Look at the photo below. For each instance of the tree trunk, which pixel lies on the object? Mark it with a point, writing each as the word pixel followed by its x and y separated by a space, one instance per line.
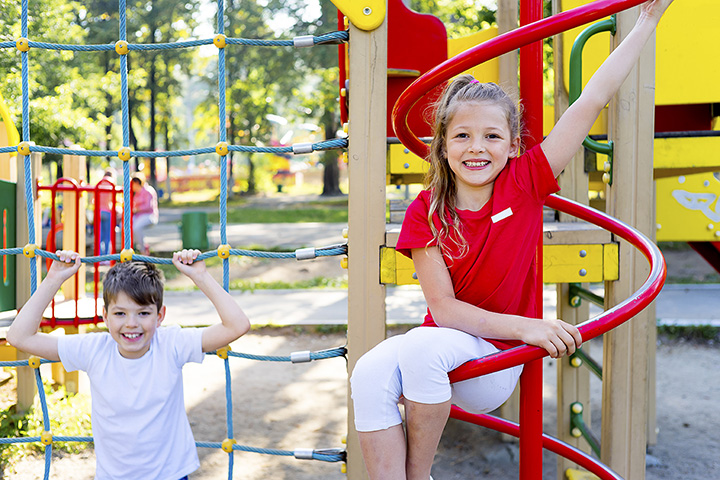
pixel 251 189
pixel 331 171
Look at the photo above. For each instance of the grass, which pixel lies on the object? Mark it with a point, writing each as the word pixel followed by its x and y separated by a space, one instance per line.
pixel 317 282
pixel 285 215
pixel 69 416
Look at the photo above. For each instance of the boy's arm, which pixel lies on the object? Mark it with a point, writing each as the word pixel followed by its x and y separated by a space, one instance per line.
pixel 572 128
pixel 23 333
pixel 234 322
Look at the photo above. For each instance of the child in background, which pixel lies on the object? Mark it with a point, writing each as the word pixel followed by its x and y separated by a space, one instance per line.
pixel 144 209
pixel 140 427
pixel 472 235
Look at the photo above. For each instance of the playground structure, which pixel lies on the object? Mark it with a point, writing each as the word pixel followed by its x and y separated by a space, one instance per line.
pixel 367 205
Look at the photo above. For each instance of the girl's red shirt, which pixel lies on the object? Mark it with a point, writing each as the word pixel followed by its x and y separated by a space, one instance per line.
pixel 498 271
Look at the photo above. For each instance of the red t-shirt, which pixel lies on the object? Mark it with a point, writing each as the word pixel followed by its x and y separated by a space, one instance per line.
pixel 498 271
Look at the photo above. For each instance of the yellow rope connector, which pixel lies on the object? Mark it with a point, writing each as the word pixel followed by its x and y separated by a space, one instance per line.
pixel 121 47
pixel 23 148
pixel 344 263
pixel 223 251
pixel 219 40
pixel 227 445
pixel 34 362
pixel 346 127
pixel 124 153
pixel 29 250
pixel 22 44
pixel 126 255
pixel 343 468
pixel 223 352
pixel 606 177
pixel 46 438
pixel 221 149
pixel 344 157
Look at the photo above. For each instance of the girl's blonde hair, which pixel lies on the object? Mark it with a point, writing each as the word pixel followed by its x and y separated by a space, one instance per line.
pixel 440 179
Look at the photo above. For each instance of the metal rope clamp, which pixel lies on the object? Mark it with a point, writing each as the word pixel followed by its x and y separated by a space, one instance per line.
pixel 300 357
pixel 304 41
pixel 302 148
pixel 305 253
pixel 303 453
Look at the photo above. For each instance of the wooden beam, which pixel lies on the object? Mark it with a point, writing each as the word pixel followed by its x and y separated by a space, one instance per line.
pixel 626 393
pixel 366 205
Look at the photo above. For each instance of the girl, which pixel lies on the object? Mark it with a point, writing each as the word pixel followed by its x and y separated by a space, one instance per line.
pixel 472 236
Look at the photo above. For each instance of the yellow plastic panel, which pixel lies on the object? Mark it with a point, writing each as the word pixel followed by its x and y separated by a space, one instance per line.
pixel 8 353
pixel 611 261
pixel 598 128
pixel 486 72
pixel 9 136
pixel 561 264
pixel 690 152
pixel 685 70
pixel 401 160
pixel 565 263
pixel 686 54
pixel 364 14
pixel 573 474
pixel 687 208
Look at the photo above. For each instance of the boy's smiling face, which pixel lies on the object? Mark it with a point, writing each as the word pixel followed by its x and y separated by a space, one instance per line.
pixel 132 325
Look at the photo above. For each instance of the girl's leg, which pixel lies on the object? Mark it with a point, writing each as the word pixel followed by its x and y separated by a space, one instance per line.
pixel 425 424
pixel 428 354
pixel 384 453
pixel 376 389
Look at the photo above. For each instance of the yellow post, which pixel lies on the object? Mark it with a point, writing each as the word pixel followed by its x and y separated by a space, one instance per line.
pixel 366 225
pixel 26 377
pixel 631 199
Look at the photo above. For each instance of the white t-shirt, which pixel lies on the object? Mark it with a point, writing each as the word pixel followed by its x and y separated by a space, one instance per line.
pixel 140 427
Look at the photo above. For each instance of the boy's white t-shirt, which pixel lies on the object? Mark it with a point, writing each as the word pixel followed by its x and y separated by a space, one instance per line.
pixel 140 427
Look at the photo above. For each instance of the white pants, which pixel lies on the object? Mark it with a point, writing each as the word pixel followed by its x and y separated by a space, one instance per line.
pixel 416 365
pixel 141 222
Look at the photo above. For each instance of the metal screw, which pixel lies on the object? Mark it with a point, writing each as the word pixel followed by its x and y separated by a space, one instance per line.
pixel 367 10
pixel 583 272
pixel 406 165
pixel 583 253
pixel 414 276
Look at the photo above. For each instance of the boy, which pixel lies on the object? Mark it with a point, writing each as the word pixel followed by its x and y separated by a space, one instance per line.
pixel 140 427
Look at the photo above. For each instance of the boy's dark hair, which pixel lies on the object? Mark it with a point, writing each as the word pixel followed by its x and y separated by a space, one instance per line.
pixel 140 281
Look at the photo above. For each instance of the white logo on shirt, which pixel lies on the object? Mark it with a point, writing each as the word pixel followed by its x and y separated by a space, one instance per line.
pixel 501 215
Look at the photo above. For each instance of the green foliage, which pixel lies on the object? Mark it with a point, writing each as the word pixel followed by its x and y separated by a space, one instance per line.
pixel 69 416
pixel 701 333
pixel 461 17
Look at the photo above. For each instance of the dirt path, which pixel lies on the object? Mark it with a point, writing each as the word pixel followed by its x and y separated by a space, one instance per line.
pixel 285 406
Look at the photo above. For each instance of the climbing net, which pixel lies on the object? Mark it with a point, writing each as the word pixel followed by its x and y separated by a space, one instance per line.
pixel 224 251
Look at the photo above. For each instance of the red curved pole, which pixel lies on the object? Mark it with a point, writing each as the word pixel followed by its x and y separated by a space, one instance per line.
pixel 604 322
pixel 493 48
pixel 550 443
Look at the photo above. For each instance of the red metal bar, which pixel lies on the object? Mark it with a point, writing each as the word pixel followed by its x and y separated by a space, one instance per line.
pixel 598 325
pixel 553 444
pixel 531 381
pixel 493 48
pixel 342 56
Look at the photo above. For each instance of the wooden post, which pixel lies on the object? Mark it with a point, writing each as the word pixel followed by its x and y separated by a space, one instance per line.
pixel 366 205
pixel 630 199
pixel 74 167
pixel 26 377
pixel 573 384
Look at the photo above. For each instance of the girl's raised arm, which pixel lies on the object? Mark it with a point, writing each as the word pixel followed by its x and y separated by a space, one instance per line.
pixel 574 125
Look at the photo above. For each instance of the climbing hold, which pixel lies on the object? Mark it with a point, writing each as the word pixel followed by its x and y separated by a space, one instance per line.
pixel 29 250
pixel 219 41
pixel 124 153
pixel 223 251
pixel 221 149
pixel 227 445
pixel 126 255
pixel 223 352
pixel 34 362
pixel 22 44
pixel 121 47
pixel 23 148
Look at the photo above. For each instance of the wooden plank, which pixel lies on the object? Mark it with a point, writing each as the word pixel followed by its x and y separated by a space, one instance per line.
pixel 626 391
pixel 366 205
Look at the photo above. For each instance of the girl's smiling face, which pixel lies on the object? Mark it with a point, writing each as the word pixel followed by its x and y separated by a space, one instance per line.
pixel 479 144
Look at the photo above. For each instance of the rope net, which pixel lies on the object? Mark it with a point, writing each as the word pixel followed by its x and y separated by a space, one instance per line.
pixel 25 148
